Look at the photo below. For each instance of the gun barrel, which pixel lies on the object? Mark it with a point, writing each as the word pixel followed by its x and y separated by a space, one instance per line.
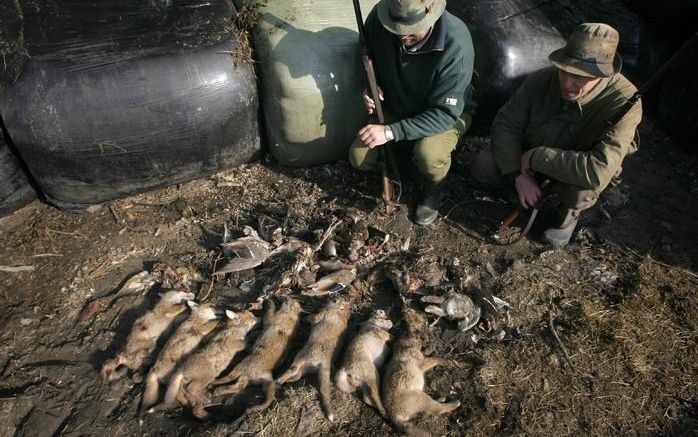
pixel 359 23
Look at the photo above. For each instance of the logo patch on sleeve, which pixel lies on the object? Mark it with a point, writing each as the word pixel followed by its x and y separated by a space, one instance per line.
pixel 451 101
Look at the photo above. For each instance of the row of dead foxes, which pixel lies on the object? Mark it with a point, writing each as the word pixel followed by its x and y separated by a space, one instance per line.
pixel 191 368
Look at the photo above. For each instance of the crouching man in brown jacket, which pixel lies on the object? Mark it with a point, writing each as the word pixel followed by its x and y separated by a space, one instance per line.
pixel 555 127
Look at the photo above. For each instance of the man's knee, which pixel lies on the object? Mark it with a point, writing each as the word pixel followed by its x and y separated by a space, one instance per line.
pixel 432 155
pixel 484 169
pixel 575 197
pixel 363 158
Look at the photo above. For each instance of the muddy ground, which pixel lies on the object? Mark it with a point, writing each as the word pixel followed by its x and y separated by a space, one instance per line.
pixel 621 298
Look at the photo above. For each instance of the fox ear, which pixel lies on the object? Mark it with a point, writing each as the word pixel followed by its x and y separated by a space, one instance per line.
pixel 231 315
pixel 192 304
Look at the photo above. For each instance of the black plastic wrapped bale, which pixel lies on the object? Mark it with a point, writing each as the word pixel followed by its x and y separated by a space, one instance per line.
pixel 512 38
pixel 97 33
pixel 15 190
pixel 678 110
pixel 675 20
pixel 92 132
pixel 124 96
pixel 311 78
pixel 12 49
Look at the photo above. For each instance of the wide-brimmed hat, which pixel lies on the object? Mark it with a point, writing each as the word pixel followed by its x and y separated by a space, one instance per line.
pixel 590 51
pixel 405 17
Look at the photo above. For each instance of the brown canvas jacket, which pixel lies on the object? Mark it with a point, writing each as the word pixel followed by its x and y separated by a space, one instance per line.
pixel 575 143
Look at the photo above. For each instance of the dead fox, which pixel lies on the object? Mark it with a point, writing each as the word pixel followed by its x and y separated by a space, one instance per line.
pixel 144 336
pixel 403 386
pixel 318 353
pixel 189 384
pixel 279 327
pixel 201 321
pixel 364 356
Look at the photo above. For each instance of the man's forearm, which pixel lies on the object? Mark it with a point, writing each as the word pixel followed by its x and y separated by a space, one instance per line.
pixel 572 167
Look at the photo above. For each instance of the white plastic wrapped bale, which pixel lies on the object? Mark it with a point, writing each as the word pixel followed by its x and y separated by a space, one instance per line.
pixel 311 78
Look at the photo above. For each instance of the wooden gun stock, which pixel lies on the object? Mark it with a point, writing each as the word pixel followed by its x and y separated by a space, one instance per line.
pixel 509 219
pixel 386 151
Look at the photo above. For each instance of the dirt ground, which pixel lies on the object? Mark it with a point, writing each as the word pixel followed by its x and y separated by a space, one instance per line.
pixel 621 299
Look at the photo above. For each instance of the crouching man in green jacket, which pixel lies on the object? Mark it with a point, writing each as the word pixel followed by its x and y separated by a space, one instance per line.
pixel 423 57
pixel 555 127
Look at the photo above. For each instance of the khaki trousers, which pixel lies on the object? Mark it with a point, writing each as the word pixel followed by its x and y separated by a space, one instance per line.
pixel 573 199
pixel 431 155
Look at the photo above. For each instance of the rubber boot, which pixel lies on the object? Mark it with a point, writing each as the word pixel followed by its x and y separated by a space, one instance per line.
pixel 428 209
pixel 559 234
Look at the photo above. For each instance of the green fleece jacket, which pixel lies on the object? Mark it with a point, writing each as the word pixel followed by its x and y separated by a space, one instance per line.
pixel 574 143
pixel 427 90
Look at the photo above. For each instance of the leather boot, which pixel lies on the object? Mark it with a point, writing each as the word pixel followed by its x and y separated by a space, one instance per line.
pixel 428 208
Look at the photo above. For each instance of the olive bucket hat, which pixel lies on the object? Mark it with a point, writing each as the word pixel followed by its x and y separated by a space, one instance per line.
pixel 406 17
pixel 590 51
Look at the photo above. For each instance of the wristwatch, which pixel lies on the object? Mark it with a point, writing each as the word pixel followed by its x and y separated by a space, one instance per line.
pixel 389 133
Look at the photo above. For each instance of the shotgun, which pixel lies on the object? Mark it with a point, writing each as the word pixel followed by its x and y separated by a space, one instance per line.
pixel 386 151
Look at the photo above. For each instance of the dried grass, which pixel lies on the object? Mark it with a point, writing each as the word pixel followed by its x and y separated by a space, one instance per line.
pixel 245 20
pixel 622 384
